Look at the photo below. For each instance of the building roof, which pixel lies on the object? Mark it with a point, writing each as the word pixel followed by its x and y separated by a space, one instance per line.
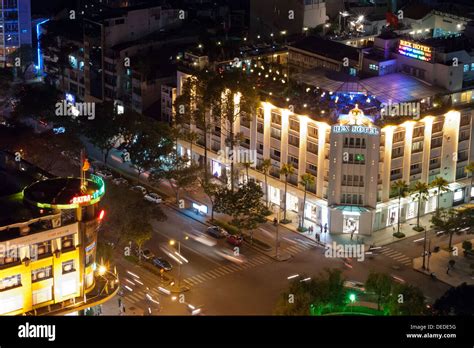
pixel 327 48
pixel 399 87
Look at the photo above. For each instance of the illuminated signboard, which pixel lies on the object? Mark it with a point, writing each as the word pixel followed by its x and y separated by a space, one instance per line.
pixel 81 199
pixel 416 51
pixel 355 130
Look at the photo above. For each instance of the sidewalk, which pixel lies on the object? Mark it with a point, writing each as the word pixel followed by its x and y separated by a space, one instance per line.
pixel 379 238
pixel 438 264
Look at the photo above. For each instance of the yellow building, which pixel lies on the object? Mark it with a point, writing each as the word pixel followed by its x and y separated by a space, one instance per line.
pixel 48 239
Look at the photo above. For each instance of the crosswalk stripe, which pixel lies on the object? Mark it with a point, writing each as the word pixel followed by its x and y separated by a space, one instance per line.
pixel 234 267
pixel 224 270
pixel 400 257
pixel 261 257
pixel 220 272
pixel 200 277
pixel 253 262
pixel 135 297
pixel 211 275
pixel 263 260
pixel 191 281
pixel 389 251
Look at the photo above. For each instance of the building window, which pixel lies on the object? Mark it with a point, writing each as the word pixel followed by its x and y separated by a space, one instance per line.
pixel 397 152
pixel 312 147
pixel 373 67
pixel 276 133
pixel 9 256
pixel 466 68
pixel 67 242
pixel 40 249
pixel 293 140
pixel 312 169
pixel 41 273
pixel 417 147
pixel 293 161
pixel 276 118
pixel 312 131
pixel 10 282
pixel 260 127
pixel 437 127
pixel 294 125
pixel 68 267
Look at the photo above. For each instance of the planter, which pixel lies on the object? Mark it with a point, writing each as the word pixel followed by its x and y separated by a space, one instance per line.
pixel 398 234
pixel 285 221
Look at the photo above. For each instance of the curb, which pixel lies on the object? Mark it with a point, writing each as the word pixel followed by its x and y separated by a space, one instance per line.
pixel 437 279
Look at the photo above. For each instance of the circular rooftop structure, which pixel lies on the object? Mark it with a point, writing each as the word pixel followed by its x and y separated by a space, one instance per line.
pixel 65 193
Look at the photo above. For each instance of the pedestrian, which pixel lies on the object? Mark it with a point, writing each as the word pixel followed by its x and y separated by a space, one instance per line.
pixel 275 221
pixel 318 237
pixel 120 302
pixel 326 227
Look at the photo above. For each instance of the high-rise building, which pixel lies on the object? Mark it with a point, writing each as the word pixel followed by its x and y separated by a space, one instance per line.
pixel 15 27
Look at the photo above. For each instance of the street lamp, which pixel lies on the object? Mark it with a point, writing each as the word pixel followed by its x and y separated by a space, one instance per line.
pixel 172 242
pixel 277 223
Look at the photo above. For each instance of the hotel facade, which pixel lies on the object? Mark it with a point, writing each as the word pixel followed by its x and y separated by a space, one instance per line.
pixel 355 158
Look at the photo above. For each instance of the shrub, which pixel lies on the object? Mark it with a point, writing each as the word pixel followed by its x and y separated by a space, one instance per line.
pixel 226 226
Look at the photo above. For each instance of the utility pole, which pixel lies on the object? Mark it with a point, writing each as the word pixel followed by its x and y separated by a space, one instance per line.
pixel 424 250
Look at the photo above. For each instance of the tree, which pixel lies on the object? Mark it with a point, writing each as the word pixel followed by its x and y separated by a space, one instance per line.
pixel 244 205
pixel 151 145
pixel 179 173
pixel 307 180
pixel 287 169
pixel 247 165
pixel 192 137
pixel 325 292
pixel 469 169
pixel 381 285
pixel 456 301
pixel 452 221
pixel 211 189
pixel 406 299
pixel 37 101
pixel 138 231
pixel 236 99
pixel 104 130
pixel 441 186
pixel 421 195
pixel 265 167
pixel 402 188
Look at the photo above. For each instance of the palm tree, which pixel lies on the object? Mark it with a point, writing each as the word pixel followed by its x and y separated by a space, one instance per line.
pixel 469 169
pixel 247 166
pixel 307 180
pixel 192 137
pixel 441 186
pixel 265 167
pixel 287 169
pixel 402 188
pixel 421 194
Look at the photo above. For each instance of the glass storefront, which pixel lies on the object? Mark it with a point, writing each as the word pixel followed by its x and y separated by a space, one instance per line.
pixel 292 202
pixel 392 217
pixel 411 210
pixel 274 195
pixel 430 204
pixel 216 169
pixel 350 223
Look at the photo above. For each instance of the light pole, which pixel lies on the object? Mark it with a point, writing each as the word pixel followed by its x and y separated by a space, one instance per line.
pixel 173 242
pixel 277 242
pixel 424 249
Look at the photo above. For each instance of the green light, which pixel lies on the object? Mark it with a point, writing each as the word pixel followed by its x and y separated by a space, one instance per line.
pixel 352 297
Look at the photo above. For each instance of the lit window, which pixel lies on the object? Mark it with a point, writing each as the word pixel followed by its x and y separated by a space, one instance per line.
pixel 466 67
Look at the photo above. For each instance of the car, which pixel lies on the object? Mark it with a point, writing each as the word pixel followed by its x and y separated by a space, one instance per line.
pixel 139 189
pixel 235 240
pixel 161 263
pixel 104 174
pixel 231 255
pixel 201 238
pixel 153 197
pixel 355 285
pixel 217 232
pixel 147 254
pixel 120 181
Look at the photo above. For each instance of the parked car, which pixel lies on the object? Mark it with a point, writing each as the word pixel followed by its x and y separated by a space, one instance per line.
pixel 147 254
pixel 106 174
pixel 161 263
pixel 217 232
pixel 120 181
pixel 235 240
pixel 139 189
pixel 153 197
pixel 355 285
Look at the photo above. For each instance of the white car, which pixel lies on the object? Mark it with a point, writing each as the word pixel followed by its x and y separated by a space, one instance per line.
pixel 153 197
pixel 104 174
pixel 230 255
pixel 140 189
pixel 120 181
pixel 351 284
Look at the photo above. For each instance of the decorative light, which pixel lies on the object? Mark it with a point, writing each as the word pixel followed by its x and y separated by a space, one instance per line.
pixel 305 105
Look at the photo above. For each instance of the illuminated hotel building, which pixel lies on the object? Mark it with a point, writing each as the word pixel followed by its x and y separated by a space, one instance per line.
pixel 48 242
pixel 355 158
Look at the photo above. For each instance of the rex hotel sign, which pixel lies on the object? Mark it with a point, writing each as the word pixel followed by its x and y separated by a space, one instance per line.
pixel 416 51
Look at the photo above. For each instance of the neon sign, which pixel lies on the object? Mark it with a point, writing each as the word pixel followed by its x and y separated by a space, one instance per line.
pixel 416 51
pixel 81 199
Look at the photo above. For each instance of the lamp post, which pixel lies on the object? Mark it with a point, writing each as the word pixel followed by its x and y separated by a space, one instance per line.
pixel 173 242
pixel 424 249
pixel 277 241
